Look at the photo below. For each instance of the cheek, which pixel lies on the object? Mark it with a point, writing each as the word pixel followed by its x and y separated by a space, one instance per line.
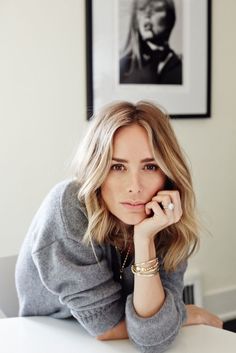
pixel 108 190
pixel 157 184
pixel 163 180
pixel 140 21
pixel 158 20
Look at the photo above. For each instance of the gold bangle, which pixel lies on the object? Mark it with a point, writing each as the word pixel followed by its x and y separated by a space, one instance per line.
pixel 146 263
pixel 144 271
pixel 147 274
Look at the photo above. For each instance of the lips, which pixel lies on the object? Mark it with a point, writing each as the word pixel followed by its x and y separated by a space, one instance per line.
pixel 133 205
pixel 148 26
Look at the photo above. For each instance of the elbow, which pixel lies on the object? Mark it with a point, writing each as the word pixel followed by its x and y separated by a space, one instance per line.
pixel 102 337
pixel 105 336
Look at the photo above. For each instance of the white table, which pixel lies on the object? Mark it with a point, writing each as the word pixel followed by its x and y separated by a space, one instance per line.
pixel 48 335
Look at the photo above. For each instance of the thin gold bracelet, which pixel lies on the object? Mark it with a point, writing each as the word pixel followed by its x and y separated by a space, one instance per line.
pixel 147 274
pixel 146 263
pixel 145 269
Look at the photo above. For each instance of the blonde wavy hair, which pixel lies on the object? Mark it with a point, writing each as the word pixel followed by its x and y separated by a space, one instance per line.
pixel 92 164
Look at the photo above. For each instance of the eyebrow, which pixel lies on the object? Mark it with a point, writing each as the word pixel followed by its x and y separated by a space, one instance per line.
pixel 145 160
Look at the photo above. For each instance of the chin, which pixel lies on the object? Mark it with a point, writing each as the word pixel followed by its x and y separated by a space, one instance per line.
pixel 147 37
pixel 132 220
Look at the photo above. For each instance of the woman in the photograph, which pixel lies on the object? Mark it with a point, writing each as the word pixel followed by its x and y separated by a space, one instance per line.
pixel 110 246
pixel 147 57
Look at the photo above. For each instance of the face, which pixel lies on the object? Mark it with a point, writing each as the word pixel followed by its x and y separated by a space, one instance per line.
pixel 151 18
pixel 134 177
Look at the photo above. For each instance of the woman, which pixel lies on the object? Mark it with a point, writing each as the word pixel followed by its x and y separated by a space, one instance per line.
pixel 147 57
pixel 110 246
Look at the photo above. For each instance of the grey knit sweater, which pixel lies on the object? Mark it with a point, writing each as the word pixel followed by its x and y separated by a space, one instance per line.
pixel 57 275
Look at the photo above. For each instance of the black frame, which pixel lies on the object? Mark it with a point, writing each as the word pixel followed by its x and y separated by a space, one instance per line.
pixel 89 64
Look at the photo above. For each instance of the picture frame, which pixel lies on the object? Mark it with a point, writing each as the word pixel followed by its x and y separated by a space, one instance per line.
pixel 190 98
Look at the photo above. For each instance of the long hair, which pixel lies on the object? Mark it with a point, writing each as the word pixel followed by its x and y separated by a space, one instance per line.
pixel 93 162
pixel 133 45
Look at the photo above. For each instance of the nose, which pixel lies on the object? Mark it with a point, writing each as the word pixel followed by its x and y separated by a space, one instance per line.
pixel 134 184
pixel 148 11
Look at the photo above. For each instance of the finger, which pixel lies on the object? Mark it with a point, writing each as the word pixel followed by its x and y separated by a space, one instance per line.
pixel 174 197
pixel 165 199
pixel 159 215
pixel 216 321
pixel 219 323
pixel 211 319
pixel 154 207
pixel 173 194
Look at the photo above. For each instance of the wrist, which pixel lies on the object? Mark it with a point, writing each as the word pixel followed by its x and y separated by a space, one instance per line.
pixel 142 244
pixel 144 248
pixel 143 239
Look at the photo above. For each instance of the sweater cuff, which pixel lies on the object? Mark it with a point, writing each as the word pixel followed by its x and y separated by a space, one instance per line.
pixel 101 320
pixel 159 329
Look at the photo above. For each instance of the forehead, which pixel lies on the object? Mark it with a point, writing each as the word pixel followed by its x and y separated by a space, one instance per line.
pixel 131 140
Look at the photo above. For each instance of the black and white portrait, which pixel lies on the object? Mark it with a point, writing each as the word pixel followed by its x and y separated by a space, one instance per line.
pixel 151 42
pixel 157 50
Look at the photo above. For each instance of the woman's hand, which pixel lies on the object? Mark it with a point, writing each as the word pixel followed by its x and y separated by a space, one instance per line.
pixel 159 217
pixel 197 315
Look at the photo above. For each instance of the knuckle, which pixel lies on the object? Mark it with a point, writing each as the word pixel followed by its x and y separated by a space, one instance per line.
pixel 178 218
pixel 164 221
pixel 155 197
pixel 165 200
pixel 175 195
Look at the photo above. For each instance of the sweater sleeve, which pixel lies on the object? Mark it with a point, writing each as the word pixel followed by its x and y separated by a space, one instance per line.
pixel 70 270
pixel 156 333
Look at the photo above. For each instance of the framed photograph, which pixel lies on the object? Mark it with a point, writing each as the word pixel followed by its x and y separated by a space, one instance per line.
pixel 156 50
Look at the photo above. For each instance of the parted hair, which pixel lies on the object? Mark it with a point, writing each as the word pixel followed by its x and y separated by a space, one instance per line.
pixel 92 164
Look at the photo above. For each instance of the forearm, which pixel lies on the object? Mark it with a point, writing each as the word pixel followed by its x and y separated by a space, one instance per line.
pixel 149 294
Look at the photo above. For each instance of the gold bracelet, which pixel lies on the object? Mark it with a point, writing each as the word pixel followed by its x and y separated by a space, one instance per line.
pixel 146 270
pixel 146 263
pixel 147 274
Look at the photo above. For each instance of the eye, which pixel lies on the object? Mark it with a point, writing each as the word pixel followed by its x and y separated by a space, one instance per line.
pixel 151 167
pixel 118 167
pixel 142 6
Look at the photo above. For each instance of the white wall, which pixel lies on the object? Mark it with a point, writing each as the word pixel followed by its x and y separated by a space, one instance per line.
pixel 43 117
pixel 211 146
pixel 42 105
